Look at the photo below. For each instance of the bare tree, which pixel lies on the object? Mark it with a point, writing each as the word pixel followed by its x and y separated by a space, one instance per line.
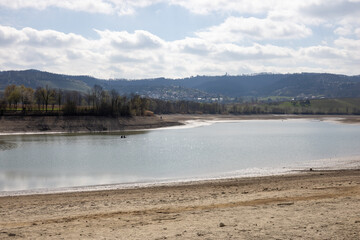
pixel 96 96
pixel 114 99
pixel 27 96
pixel 12 95
pixel 46 94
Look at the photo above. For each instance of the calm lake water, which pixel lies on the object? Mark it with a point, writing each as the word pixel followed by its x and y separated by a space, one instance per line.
pixel 223 149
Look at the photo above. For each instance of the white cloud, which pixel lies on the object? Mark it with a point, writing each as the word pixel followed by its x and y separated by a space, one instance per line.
pixel 51 38
pixel 349 44
pixel 130 6
pixel 121 7
pixel 289 17
pixel 91 6
pixel 32 37
pixel 313 9
pixel 343 31
pixel 141 54
pixel 334 9
pixel 239 6
pixel 9 35
pixel 323 52
pixel 357 32
pixel 126 7
pixel 235 29
pixel 286 17
pixel 194 46
pixel 343 57
pixel 139 40
pixel 234 52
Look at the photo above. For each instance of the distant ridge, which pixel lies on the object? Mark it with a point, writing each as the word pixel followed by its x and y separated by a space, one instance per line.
pixel 263 85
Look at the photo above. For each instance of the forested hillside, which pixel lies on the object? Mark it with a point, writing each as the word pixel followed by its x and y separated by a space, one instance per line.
pixel 201 88
pixel 21 100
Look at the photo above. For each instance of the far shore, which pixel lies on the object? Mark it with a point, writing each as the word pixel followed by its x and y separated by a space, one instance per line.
pixel 88 124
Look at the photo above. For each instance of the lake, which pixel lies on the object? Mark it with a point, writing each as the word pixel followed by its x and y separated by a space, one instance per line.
pixel 201 150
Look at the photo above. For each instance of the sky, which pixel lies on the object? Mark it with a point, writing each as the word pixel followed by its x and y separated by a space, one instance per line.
pixel 137 39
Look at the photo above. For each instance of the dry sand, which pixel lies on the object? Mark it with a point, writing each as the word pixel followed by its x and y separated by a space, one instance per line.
pixel 308 205
pixel 57 124
pixel 350 119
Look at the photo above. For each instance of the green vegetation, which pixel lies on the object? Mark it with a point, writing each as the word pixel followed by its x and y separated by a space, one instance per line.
pixel 224 89
pixel 20 100
pixel 48 101
pixel 315 106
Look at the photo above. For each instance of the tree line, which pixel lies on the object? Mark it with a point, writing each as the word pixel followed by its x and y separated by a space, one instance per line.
pixel 97 101
pixel 50 101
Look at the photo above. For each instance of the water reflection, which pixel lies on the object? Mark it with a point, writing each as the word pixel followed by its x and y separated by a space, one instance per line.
pixel 55 137
pixel 222 149
pixel 6 145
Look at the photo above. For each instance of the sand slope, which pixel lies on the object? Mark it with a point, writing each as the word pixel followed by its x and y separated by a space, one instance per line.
pixel 46 124
pixel 313 205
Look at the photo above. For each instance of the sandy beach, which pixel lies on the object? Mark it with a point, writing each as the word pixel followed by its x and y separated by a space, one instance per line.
pixel 306 205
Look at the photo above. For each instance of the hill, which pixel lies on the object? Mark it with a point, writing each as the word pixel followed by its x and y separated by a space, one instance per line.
pixel 201 88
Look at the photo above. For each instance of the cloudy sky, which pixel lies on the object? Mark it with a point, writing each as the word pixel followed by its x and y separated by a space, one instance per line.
pixel 180 38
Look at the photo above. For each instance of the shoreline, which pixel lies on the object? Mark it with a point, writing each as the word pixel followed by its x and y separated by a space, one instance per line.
pixel 18 125
pixel 307 205
pixel 349 163
pixel 161 184
pixel 317 204
pixel 147 184
pixel 10 125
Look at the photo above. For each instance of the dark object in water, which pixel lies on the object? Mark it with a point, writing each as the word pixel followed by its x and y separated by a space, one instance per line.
pixel 123 136
pixel 311 169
